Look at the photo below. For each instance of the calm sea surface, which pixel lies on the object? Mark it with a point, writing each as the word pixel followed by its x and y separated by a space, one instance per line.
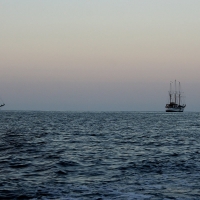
pixel 99 155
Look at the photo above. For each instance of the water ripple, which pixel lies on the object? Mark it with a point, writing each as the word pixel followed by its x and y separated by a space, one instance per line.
pixel 105 155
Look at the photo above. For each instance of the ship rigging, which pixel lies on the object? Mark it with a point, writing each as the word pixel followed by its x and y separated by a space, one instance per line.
pixel 175 99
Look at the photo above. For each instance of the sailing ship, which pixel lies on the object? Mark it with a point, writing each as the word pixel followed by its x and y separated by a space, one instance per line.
pixel 175 104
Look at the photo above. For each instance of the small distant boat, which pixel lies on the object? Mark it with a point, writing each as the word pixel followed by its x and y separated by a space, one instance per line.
pixel 175 100
pixel 2 105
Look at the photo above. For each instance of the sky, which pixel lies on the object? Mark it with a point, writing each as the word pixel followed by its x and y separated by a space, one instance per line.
pixel 99 55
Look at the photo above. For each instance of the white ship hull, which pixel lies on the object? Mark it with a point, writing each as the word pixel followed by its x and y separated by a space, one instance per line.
pixel 180 109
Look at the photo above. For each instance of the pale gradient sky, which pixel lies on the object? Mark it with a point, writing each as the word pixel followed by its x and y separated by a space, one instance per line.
pixel 99 55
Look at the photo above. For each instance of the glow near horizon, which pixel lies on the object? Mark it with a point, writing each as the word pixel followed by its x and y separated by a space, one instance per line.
pixel 81 47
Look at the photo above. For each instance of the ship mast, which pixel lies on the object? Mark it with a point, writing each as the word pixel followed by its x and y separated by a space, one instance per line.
pixel 179 94
pixel 170 92
pixel 175 92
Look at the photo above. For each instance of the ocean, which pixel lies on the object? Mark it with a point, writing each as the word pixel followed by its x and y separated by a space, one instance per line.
pixel 99 155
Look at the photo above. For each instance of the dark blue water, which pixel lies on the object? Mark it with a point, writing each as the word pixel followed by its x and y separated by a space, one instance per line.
pixel 105 155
